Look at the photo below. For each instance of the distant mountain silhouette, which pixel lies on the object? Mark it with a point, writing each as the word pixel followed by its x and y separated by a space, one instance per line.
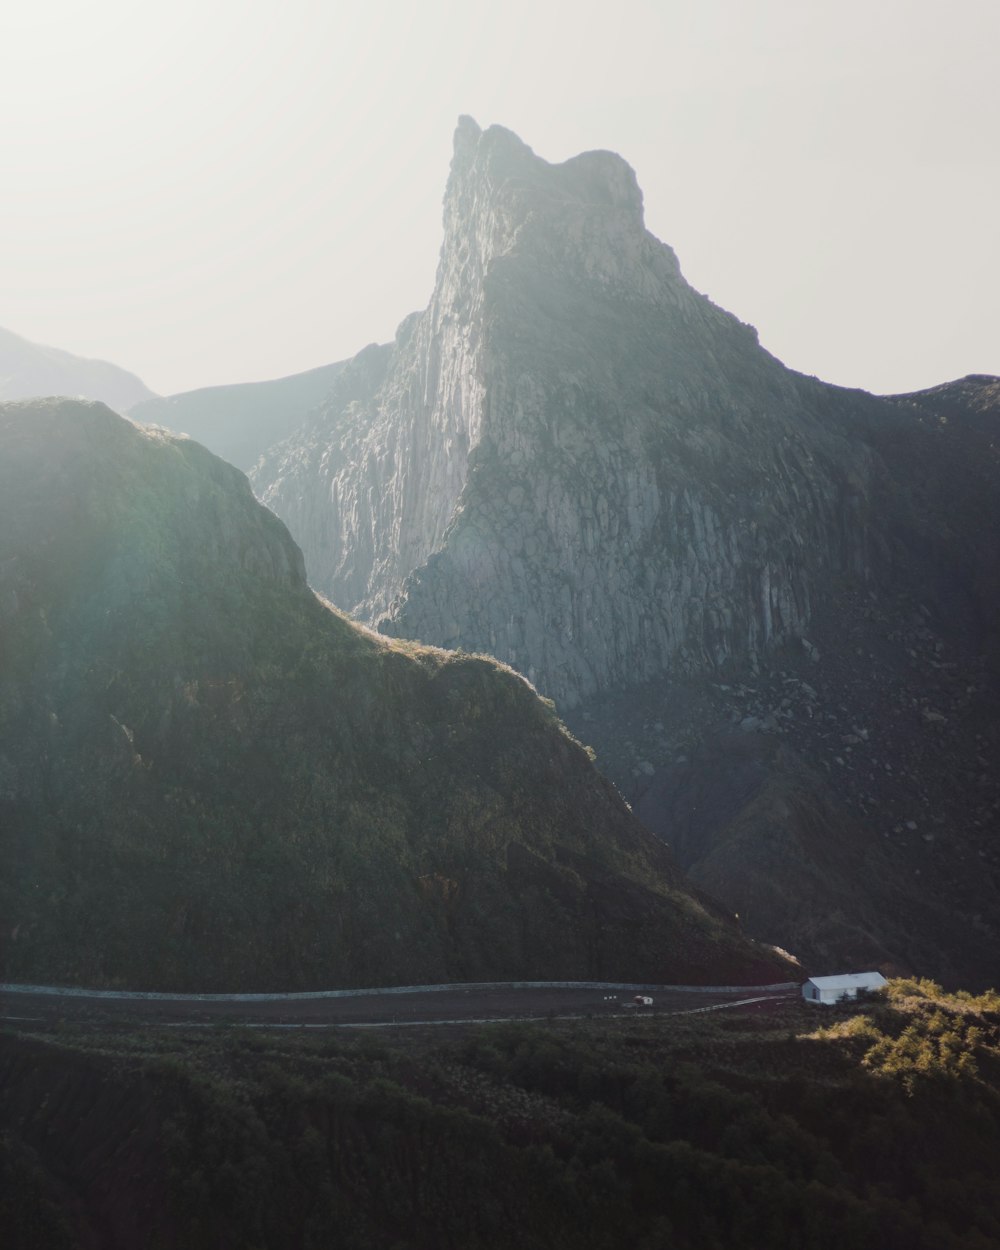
pixel 238 422
pixel 29 369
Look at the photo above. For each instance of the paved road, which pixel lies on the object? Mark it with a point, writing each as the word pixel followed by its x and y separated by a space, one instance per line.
pixel 436 1004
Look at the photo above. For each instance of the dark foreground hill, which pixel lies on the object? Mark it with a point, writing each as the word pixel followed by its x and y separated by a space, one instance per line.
pixel 791 1130
pixel 209 779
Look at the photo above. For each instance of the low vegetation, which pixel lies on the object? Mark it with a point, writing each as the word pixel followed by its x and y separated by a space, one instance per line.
pixel 930 1036
pixel 875 1126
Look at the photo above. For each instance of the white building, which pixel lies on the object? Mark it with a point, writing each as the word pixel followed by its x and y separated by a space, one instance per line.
pixel 845 985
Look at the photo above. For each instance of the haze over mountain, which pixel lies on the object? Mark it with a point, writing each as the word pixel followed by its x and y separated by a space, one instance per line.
pixel 209 779
pixel 575 462
pixel 29 369
pixel 237 422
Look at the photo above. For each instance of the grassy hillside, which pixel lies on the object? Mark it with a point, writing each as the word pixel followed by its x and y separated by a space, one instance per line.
pixel 209 779
pixel 877 1129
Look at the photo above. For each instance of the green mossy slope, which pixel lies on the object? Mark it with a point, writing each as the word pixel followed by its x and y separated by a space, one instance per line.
pixel 794 1129
pixel 211 780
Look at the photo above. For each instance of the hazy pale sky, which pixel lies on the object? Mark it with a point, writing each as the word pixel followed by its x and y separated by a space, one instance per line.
pixel 208 192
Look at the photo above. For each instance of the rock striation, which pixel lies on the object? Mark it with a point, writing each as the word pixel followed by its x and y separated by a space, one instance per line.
pixel 844 797
pixel 211 780
pixel 571 459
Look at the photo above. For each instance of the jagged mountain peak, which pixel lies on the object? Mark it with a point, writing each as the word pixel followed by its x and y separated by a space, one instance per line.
pixel 547 281
pixel 583 216
pixel 599 177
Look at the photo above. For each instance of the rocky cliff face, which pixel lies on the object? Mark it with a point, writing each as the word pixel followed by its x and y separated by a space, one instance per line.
pixel 844 797
pixel 211 780
pixel 575 462
pixel 571 459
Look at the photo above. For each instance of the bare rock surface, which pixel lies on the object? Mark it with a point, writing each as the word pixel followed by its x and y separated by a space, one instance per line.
pixel 571 459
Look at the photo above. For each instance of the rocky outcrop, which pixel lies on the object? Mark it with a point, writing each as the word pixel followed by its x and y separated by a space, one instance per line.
pixel 209 779
pixel 571 459
pixel 30 369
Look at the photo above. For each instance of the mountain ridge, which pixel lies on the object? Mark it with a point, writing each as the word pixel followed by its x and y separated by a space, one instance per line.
pixel 237 422
pixel 30 370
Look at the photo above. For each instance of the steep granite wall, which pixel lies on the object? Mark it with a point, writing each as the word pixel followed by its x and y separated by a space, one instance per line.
pixel 571 459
